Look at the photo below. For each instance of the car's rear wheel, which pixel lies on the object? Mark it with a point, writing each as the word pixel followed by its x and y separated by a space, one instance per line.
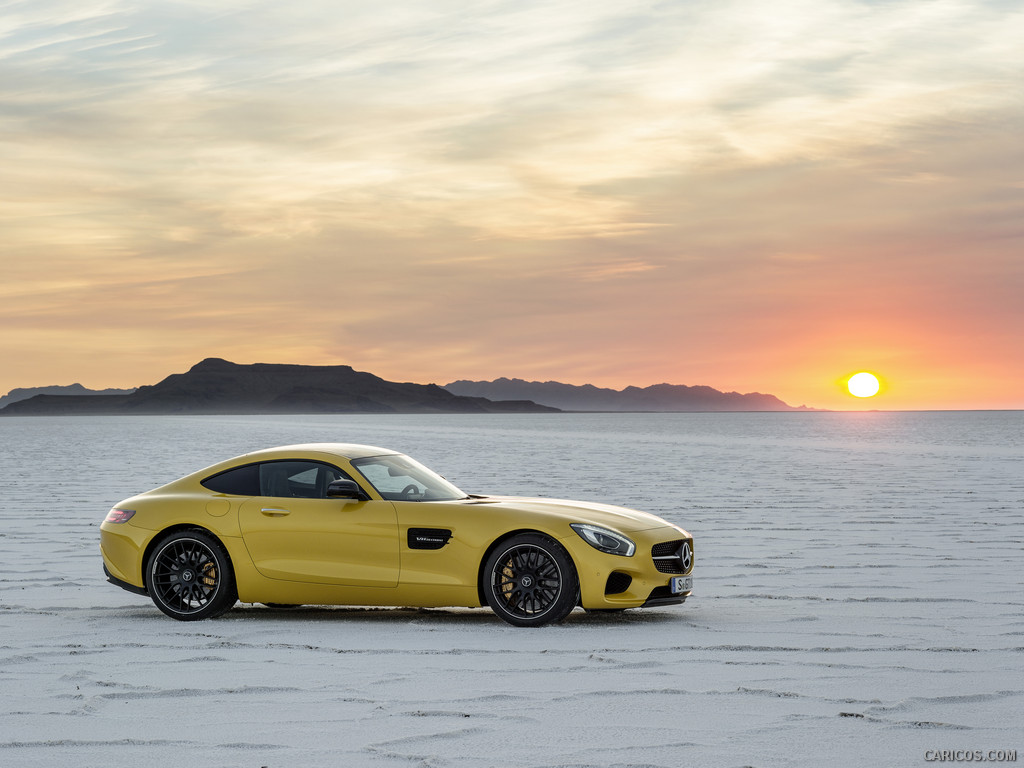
pixel 530 580
pixel 190 576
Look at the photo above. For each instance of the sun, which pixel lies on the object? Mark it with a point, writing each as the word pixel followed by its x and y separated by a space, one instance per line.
pixel 863 384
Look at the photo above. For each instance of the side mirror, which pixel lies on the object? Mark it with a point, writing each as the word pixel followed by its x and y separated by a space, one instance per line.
pixel 344 489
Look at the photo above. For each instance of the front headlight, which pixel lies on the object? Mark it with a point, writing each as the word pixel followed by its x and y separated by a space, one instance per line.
pixel 607 541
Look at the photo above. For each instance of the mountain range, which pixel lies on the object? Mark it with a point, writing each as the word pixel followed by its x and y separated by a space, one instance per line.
pixel 68 390
pixel 659 397
pixel 221 387
pixel 216 386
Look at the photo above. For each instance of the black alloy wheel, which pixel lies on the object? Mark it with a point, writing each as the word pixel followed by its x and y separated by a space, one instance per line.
pixel 530 580
pixel 190 576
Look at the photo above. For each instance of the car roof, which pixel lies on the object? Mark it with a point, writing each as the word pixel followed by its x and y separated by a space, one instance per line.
pixel 343 450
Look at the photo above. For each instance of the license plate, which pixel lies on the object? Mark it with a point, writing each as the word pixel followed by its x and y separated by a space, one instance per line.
pixel 680 584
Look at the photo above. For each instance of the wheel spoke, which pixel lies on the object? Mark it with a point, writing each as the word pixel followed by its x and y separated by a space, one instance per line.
pixel 517 562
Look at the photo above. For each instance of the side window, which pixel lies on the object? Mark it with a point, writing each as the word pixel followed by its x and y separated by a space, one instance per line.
pixel 241 481
pixel 297 479
pixel 388 480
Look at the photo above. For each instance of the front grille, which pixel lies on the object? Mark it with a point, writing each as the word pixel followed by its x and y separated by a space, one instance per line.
pixel 666 548
pixel 673 556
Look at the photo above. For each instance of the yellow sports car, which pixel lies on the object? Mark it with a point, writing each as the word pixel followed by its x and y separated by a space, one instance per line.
pixel 339 524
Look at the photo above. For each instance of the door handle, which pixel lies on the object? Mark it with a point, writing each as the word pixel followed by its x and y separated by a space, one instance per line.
pixel 275 511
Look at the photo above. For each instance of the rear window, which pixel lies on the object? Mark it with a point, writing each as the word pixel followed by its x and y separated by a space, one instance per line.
pixel 240 481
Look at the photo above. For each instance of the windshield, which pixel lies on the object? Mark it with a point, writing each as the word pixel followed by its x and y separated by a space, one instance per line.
pixel 399 478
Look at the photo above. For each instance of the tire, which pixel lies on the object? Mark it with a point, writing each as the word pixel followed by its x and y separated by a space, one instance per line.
pixel 530 580
pixel 190 576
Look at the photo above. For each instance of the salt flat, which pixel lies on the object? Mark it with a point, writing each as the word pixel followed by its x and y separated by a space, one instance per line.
pixel 858 601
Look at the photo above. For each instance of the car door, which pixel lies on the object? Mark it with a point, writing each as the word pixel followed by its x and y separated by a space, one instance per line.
pixel 294 533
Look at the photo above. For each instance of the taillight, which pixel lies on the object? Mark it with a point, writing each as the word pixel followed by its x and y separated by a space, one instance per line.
pixel 119 515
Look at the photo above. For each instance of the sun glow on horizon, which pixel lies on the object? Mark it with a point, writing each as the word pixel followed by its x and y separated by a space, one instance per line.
pixel 863 384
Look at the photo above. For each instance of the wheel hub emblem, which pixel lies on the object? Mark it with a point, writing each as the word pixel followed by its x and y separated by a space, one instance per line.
pixel 527 581
pixel 187 576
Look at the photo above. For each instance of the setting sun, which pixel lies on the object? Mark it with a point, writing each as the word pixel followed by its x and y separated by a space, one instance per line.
pixel 863 384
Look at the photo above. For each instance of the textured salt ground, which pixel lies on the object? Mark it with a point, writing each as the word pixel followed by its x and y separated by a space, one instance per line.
pixel 857 601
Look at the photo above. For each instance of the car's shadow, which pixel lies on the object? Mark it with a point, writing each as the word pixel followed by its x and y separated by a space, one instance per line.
pixel 469 617
pixel 482 618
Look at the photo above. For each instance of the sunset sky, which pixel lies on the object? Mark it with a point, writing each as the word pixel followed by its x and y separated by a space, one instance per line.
pixel 752 196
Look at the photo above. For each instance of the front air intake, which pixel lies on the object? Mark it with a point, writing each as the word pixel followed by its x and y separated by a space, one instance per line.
pixel 617 583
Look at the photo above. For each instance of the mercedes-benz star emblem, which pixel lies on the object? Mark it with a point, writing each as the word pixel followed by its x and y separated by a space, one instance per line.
pixel 686 556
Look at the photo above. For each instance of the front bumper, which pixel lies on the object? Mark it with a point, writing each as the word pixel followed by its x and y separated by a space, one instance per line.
pixel 614 582
pixel 661 596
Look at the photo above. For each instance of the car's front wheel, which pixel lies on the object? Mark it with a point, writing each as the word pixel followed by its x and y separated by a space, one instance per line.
pixel 530 580
pixel 190 576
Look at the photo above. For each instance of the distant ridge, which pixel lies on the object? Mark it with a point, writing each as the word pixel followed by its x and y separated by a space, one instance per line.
pixel 216 386
pixel 24 393
pixel 586 397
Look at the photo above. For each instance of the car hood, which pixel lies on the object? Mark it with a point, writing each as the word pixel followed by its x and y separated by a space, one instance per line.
pixel 618 518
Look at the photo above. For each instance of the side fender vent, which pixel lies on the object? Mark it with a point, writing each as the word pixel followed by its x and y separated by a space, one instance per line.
pixel 428 538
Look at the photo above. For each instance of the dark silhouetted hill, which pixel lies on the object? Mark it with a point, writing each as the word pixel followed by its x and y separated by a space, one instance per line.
pixel 217 386
pixel 659 397
pixel 66 390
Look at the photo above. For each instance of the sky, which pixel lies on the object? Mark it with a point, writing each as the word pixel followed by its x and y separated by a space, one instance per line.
pixel 752 196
